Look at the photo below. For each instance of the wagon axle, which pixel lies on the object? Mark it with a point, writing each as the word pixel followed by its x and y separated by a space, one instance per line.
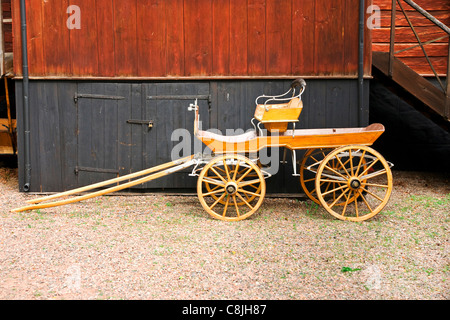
pixel 231 188
pixel 354 183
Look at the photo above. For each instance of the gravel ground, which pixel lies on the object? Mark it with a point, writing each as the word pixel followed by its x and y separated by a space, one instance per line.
pixel 168 247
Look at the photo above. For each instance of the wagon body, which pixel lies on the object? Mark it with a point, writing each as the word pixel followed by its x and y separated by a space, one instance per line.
pixel 292 139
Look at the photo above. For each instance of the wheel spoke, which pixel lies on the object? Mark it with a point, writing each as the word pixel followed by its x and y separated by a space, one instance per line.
pixel 236 206
pixel 334 181
pixel 249 182
pixel 244 175
pixel 339 160
pixel 213 189
pixel 328 185
pixel 217 201
pixel 314 158
pixel 368 167
pixel 373 174
pixel 227 171
pixel 338 173
pixel 365 201
pixel 212 192
pixel 236 169
pixel 252 186
pixel 218 175
pixel 343 193
pixel 351 161
pixel 249 192
pixel 346 203
pixel 226 207
pixel 213 181
pixel 335 189
pixel 372 194
pixel 376 185
pixel 360 162
pixel 248 204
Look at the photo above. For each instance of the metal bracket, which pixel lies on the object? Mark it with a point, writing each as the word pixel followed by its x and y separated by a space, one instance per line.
pixel 98 170
pixel 183 97
pixel 149 123
pixel 95 96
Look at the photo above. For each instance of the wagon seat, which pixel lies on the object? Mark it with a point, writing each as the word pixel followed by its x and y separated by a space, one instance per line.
pixel 278 111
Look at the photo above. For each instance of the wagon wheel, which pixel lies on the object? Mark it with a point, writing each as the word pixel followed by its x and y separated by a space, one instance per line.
pixel 311 160
pixel 232 168
pixel 227 181
pixel 363 181
pixel 307 177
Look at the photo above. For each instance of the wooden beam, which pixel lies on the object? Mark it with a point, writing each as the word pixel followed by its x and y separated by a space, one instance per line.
pixel 412 82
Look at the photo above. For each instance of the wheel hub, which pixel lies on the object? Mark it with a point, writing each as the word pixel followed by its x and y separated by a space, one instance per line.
pixel 354 183
pixel 231 188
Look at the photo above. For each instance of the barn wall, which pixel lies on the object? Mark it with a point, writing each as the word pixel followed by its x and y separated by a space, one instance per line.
pixel 404 36
pixel 192 38
pixel 75 142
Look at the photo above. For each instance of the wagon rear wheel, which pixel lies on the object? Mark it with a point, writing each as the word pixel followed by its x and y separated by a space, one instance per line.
pixel 308 172
pixel 231 187
pixel 308 176
pixel 362 183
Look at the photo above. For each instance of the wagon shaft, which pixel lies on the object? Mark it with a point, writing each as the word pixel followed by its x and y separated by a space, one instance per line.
pixel 152 174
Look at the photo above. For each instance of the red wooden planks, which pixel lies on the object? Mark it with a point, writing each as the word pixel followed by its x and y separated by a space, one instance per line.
pixel 351 34
pixel 193 38
pixel 303 22
pixel 256 50
pixel 35 38
pixel 238 37
pixel 198 37
pixel 15 13
pixel 278 36
pixel 105 40
pixel 125 39
pixel 329 38
pixel 221 37
pixel 151 37
pixel 175 38
pixel 84 51
pixel 428 5
pixel 404 36
pixel 56 44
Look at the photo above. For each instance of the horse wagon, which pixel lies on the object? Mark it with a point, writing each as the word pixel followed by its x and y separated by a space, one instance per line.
pixel 339 169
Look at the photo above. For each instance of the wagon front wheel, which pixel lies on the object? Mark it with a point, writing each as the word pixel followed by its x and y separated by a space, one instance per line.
pixel 362 183
pixel 231 187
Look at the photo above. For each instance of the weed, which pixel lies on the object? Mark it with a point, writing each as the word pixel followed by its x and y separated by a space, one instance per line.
pixel 429 271
pixel 348 269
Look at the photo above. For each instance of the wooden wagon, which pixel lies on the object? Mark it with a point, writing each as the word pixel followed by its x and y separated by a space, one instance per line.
pixel 339 169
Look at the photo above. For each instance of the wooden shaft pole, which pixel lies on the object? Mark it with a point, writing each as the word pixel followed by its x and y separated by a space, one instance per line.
pixel 111 181
pixel 105 191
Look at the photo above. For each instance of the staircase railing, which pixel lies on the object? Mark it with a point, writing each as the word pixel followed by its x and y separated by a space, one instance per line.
pixel 444 87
